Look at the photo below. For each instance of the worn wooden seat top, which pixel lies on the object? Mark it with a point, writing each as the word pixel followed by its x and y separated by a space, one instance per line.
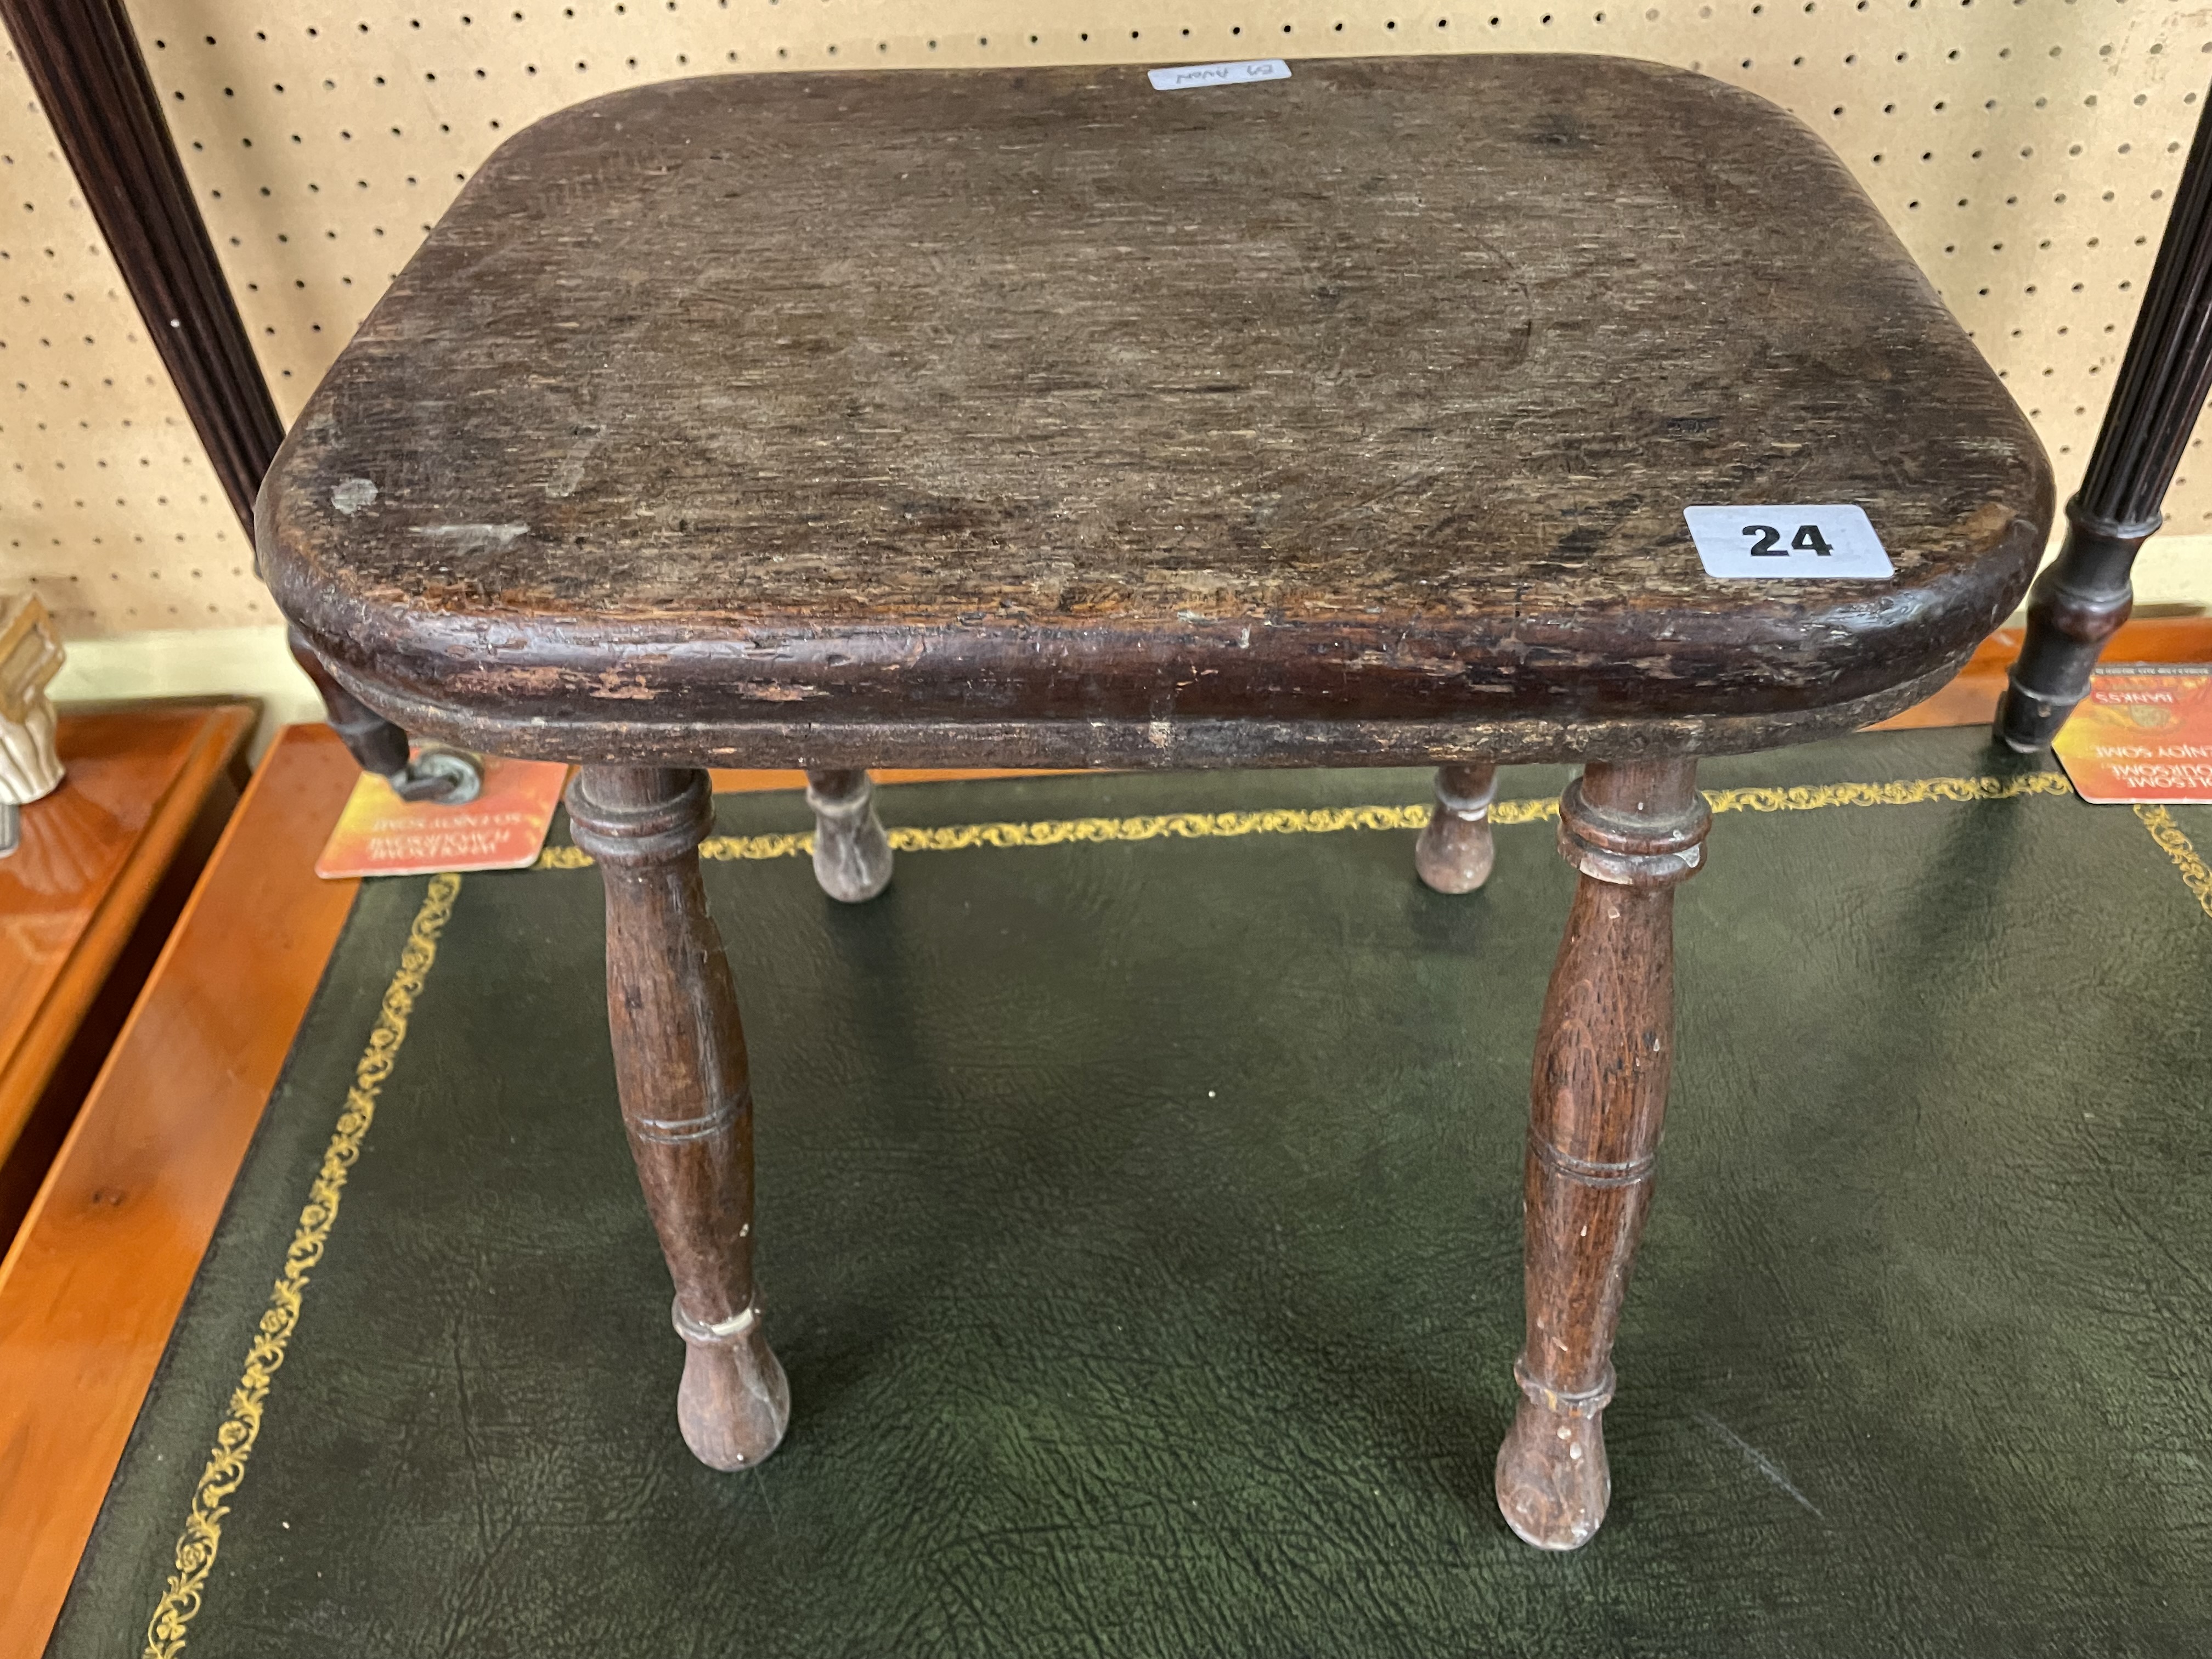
pixel 1044 415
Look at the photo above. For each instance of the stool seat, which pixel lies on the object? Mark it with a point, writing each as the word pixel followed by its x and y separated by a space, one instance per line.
pixel 1038 415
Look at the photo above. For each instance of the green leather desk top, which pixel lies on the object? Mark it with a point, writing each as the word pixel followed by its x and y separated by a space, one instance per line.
pixel 1139 1229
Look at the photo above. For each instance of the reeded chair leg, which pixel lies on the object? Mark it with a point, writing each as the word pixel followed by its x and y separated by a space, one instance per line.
pixel 686 1098
pixel 2080 600
pixel 852 854
pixel 1597 1099
pixel 1455 853
pixel 2077 604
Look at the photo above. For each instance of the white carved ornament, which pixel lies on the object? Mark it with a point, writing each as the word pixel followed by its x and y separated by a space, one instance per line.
pixel 30 655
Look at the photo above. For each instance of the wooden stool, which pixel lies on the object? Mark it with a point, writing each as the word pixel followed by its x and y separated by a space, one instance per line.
pixel 1040 418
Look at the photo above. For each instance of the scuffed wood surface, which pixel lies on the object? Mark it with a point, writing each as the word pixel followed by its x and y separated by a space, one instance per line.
pixel 1375 394
pixel 818 739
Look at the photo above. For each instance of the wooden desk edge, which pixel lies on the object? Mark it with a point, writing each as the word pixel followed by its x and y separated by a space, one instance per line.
pixel 26 1072
pixel 93 1282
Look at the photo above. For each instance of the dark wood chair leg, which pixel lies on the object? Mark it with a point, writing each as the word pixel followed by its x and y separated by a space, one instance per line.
pixel 686 1099
pixel 852 854
pixel 1603 1053
pixel 375 744
pixel 2081 600
pixel 1453 854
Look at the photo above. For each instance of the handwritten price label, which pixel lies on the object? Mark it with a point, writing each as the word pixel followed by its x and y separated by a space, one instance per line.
pixel 1218 75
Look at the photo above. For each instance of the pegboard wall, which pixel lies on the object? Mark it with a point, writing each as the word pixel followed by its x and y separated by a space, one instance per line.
pixel 2025 149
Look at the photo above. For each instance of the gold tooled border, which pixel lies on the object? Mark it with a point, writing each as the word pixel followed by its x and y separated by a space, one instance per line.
pixel 234 1439
pixel 242 1426
pixel 1190 826
pixel 2195 876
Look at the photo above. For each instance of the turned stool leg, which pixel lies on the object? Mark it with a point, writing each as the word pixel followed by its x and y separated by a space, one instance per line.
pixel 686 1100
pixel 852 855
pixel 1603 1053
pixel 1453 854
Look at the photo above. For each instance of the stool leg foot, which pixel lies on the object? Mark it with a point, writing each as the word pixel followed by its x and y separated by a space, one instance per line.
pixel 852 854
pixel 1453 854
pixel 733 1402
pixel 1599 1092
pixel 1554 1483
pixel 686 1096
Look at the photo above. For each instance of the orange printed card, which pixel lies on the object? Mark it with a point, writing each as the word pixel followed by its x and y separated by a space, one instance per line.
pixel 502 829
pixel 2144 733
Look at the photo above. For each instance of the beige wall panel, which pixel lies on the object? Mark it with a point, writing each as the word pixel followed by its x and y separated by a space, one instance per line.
pixel 2024 151
pixel 108 508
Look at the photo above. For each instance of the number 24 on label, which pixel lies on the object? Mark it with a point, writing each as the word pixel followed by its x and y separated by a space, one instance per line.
pixel 1796 541
pixel 1768 544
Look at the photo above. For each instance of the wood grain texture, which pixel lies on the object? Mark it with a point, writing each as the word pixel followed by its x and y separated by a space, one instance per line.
pixel 1604 1051
pixel 93 854
pixel 94 1281
pixel 686 1095
pixel 738 417
pixel 732 780
pixel 820 743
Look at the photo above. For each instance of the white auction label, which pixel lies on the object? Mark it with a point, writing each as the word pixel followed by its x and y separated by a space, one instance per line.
pixel 1218 75
pixel 1792 542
